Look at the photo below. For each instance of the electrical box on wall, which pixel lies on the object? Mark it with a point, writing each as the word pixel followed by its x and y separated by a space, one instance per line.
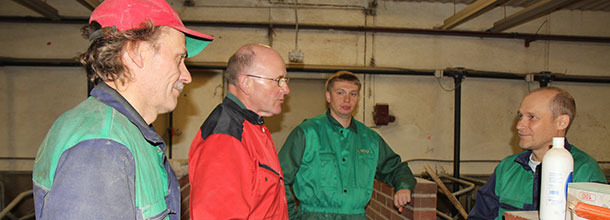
pixel 296 56
pixel 381 114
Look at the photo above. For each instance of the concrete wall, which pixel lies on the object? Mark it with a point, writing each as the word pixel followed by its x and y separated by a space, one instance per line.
pixel 32 97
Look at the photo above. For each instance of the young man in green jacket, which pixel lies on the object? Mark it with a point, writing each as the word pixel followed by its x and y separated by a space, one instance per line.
pixel 331 160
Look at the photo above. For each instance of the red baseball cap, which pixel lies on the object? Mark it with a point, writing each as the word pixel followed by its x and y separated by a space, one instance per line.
pixel 130 14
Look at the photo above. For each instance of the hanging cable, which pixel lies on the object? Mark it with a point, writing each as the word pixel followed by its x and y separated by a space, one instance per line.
pixel 448 89
pixel 295 55
pixel 296 21
pixel 270 32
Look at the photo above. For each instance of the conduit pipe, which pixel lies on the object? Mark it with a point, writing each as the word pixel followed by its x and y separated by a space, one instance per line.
pixel 458 76
pixel 528 38
pixel 457 73
pixel 170 134
pixel 17 158
pixel 448 72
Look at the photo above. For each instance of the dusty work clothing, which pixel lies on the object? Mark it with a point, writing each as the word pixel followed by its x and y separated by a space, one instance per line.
pixel 332 168
pixel 100 160
pixel 233 167
pixel 514 186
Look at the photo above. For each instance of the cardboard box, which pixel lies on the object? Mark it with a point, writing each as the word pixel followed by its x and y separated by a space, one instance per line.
pixel 591 193
pixel 521 215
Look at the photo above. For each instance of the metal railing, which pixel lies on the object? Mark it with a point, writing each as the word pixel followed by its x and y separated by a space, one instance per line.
pixel 467 190
pixel 14 203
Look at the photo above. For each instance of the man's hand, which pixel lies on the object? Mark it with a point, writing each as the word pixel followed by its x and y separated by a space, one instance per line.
pixel 401 198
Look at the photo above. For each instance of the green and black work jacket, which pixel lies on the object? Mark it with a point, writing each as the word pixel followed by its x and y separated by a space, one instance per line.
pixel 514 186
pixel 101 160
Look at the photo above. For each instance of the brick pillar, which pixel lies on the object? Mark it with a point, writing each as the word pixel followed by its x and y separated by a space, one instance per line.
pixel 422 206
pixel 381 205
pixel 185 192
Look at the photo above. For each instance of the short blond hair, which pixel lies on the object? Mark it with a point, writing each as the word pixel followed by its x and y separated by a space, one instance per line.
pixel 342 75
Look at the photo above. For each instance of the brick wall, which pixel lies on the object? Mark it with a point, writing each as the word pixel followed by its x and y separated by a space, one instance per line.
pixel 381 205
pixel 422 206
pixel 185 192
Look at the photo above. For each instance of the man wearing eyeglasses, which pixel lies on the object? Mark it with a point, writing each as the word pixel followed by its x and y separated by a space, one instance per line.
pixel 234 170
pixel 331 160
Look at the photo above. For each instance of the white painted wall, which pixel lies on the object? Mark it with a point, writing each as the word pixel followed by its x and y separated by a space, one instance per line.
pixel 32 97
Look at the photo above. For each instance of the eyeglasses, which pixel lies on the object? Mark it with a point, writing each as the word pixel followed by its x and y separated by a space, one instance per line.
pixel 281 81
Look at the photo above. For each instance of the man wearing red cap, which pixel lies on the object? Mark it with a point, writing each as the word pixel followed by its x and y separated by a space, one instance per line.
pixel 102 159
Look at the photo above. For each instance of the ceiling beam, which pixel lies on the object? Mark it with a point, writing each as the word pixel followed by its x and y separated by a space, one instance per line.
pixel 469 12
pixel 90 4
pixel 596 5
pixel 536 10
pixel 41 8
pixel 580 4
pixel 378 29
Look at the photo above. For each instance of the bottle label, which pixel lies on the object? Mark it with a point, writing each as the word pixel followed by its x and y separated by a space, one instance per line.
pixel 558 188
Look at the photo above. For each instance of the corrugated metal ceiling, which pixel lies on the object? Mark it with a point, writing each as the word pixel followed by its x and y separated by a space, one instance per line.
pixel 585 5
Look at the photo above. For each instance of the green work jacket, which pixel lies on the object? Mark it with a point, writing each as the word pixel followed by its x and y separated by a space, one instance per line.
pixel 332 169
pixel 92 120
pixel 514 186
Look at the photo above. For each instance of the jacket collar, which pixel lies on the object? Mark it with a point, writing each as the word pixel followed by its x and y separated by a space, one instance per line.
pixel 524 157
pixel 234 98
pixel 352 124
pixel 111 97
pixel 233 102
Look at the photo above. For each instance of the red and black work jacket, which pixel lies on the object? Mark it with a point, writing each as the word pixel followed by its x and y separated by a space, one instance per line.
pixel 234 170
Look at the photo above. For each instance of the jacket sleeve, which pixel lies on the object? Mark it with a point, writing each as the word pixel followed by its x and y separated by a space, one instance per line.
pixel 589 171
pixel 93 180
pixel 391 170
pixel 487 202
pixel 221 174
pixel 290 157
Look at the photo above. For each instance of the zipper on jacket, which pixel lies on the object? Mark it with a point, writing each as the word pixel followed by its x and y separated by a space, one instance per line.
pixel 267 167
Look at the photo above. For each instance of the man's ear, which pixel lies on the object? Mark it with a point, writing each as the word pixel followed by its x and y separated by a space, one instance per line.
pixel 562 122
pixel 327 94
pixel 245 84
pixel 134 52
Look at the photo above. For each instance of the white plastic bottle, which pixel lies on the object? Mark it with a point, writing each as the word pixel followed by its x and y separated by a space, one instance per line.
pixel 557 167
